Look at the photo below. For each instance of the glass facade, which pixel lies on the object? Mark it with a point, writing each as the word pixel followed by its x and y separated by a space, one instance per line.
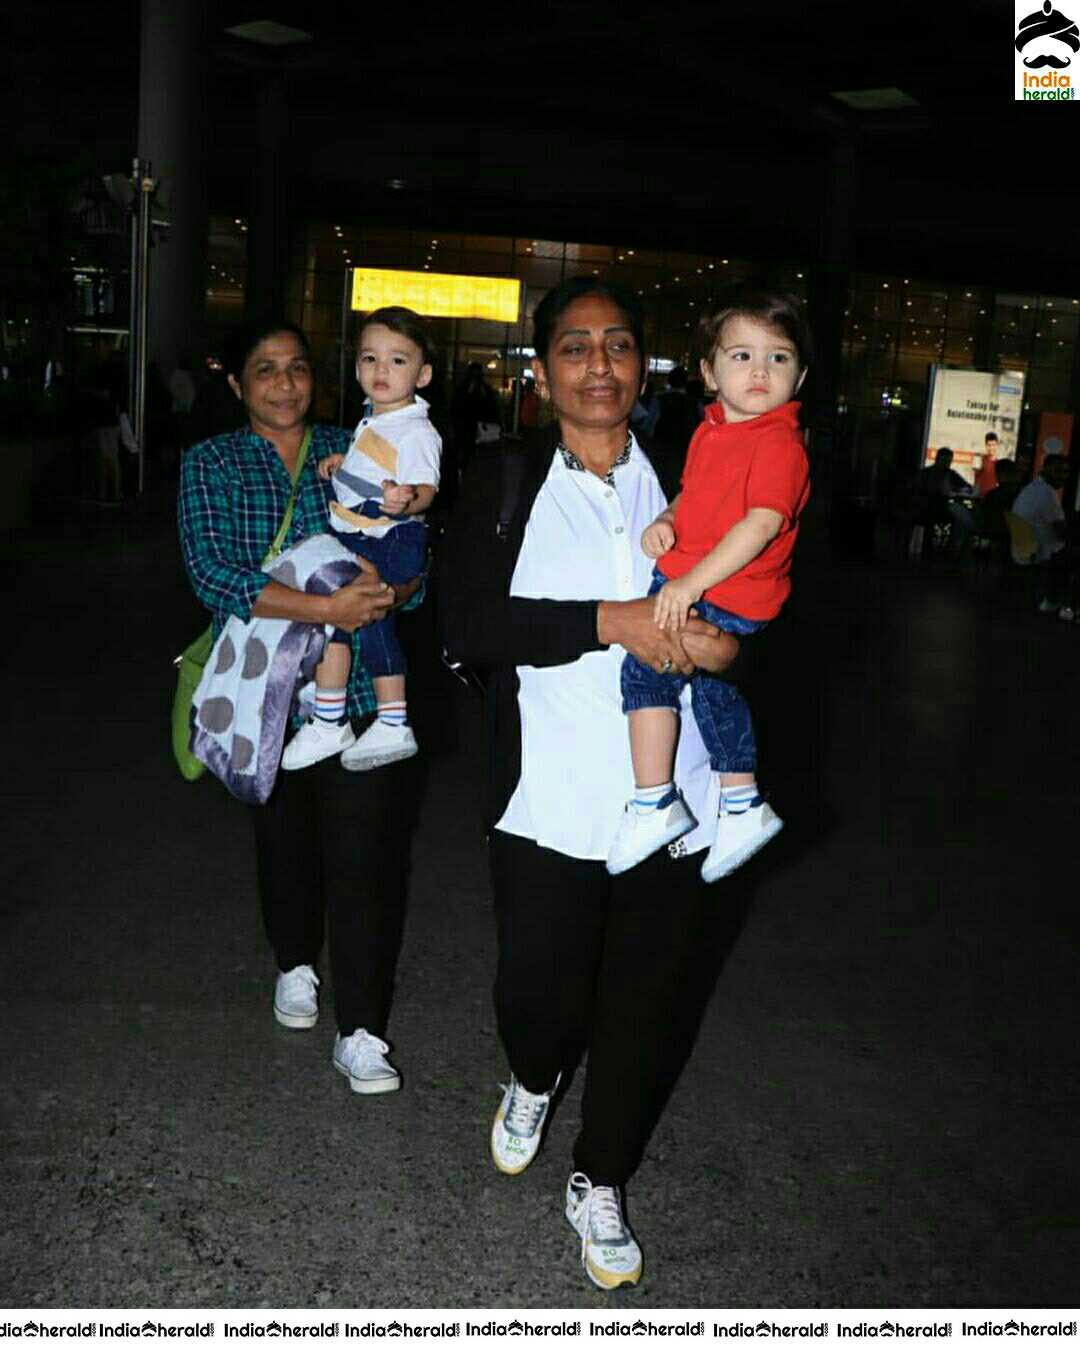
pixel 895 326
pixel 675 288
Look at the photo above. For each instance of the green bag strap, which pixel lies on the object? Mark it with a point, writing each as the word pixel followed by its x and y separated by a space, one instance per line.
pixel 279 538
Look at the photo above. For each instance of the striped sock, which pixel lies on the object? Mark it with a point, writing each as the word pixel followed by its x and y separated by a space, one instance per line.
pixel 330 705
pixel 646 799
pixel 394 714
pixel 735 800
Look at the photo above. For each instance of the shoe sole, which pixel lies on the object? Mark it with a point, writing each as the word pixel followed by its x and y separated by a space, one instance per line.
pixel 604 1279
pixel 669 837
pixel 295 1021
pixel 736 860
pixel 369 1087
pixel 377 761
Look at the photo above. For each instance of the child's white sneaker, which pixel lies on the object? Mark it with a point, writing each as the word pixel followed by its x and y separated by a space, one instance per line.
pixel 641 833
pixel 316 740
pixel 738 837
pixel 380 744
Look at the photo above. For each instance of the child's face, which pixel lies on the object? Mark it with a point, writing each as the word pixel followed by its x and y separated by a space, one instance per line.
pixel 390 368
pixel 753 370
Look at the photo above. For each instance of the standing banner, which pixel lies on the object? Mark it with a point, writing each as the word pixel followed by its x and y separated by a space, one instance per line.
pixel 963 406
pixel 1054 437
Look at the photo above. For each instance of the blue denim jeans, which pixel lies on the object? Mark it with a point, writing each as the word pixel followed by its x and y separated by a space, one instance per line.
pixel 720 711
pixel 399 555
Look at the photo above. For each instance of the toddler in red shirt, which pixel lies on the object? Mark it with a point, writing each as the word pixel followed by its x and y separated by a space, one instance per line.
pixel 723 549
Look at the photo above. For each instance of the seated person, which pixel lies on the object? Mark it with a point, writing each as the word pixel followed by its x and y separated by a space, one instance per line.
pixel 939 485
pixel 998 500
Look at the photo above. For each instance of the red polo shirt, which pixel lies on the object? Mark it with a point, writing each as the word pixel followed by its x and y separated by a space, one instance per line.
pixel 986 477
pixel 730 469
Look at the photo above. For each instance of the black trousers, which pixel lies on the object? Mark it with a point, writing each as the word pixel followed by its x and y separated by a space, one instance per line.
pixel 593 962
pixel 333 847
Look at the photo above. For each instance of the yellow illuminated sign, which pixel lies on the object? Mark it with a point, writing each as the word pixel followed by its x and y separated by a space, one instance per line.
pixel 438 295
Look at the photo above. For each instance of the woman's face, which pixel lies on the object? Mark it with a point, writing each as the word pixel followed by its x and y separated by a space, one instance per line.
pixel 592 370
pixel 275 385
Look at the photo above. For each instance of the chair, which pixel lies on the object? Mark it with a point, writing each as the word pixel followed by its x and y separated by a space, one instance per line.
pixel 1023 546
pixel 1023 549
pixel 927 523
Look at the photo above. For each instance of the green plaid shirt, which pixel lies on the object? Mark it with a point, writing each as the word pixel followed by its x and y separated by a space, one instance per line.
pixel 233 493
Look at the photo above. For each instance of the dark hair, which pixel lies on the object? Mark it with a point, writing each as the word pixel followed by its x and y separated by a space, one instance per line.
pixel 551 308
pixel 1006 469
pixel 403 321
pixel 944 450
pixel 1052 462
pixel 243 340
pixel 990 436
pixel 773 309
pixel 676 377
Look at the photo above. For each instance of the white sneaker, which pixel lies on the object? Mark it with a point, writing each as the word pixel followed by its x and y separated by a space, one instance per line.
pixel 609 1253
pixel 1048 606
pixel 1067 613
pixel 641 833
pixel 314 741
pixel 362 1058
pixel 518 1126
pixel 739 837
pixel 380 744
pixel 296 1004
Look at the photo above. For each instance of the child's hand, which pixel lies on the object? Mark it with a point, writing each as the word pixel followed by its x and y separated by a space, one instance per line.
pixel 397 497
pixel 672 606
pixel 657 538
pixel 330 465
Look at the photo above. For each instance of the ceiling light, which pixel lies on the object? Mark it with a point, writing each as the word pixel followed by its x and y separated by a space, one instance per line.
pixel 269 33
pixel 874 100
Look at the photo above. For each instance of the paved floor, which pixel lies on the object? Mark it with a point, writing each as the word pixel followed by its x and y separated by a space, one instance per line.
pixel 881 1109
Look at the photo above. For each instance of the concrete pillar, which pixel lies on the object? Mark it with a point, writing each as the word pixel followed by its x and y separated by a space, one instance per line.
pixel 830 280
pixel 171 65
pixel 268 235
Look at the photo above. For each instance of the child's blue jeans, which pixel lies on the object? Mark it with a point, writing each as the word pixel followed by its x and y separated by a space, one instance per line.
pixel 720 711
pixel 399 555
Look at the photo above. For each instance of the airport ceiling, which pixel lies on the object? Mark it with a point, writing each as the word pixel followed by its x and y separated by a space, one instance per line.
pixel 707 126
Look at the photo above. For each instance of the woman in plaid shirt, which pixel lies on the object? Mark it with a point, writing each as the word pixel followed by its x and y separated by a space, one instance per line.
pixel 323 837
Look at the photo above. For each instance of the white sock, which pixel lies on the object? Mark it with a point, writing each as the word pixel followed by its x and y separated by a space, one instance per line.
pixel 646 799
pixel 735 800
pixel 330 705
pixel 394 714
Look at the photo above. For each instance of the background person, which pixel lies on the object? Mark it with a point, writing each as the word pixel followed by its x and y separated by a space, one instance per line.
pixel 322 839
pixel 545 604
pixel 938 486
pixel 1040 506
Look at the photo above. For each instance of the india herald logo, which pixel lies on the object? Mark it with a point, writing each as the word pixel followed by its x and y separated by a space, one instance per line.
pixel 1048 33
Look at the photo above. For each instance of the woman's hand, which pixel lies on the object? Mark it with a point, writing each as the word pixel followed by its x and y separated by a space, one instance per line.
pixel 657 538
pixel 709 648
pixel 698 646
pixel 330 465
pixel 630 624
pixel 365 600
